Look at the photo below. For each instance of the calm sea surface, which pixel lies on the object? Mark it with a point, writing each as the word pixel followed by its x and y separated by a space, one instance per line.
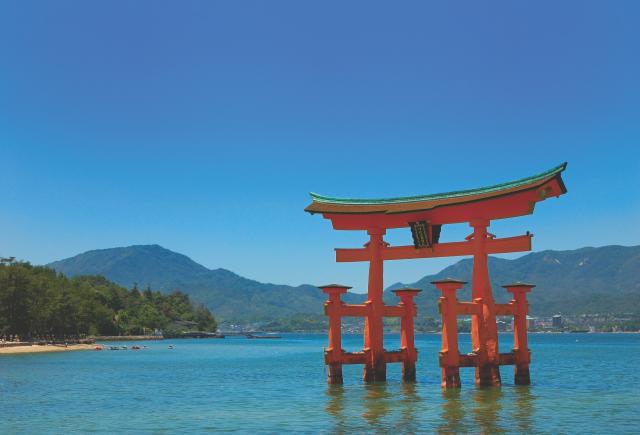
pixel 582 383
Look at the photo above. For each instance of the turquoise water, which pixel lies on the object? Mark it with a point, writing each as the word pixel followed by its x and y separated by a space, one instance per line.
pixel 582 383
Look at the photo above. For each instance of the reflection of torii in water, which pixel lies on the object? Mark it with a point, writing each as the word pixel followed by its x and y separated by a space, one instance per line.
pixel 425 215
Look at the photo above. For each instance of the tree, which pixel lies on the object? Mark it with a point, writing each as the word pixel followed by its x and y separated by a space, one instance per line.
pixel 36 301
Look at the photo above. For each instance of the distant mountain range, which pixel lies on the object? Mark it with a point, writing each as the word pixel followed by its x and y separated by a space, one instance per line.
pixel 228 295
pixel 587 280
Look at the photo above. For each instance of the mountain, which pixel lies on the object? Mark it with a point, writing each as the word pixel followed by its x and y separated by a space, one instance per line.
pixel 587 280
pixel 228 295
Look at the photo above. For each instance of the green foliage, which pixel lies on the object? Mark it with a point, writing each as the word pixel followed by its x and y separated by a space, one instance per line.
pixel 588 280
pixel 581 281
pixel 37 302
pixel 235 298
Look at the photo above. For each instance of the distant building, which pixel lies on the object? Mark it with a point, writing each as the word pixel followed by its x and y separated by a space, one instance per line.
pixel 531 322
pixel 502 325
pixel 556 321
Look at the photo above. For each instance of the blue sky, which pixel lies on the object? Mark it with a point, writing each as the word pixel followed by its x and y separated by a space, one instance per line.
pixel 202 125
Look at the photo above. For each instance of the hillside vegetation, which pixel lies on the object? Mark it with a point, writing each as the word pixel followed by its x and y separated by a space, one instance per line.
pixel 587 280
pixel 39 302
pixel 230 296
pixel 581 281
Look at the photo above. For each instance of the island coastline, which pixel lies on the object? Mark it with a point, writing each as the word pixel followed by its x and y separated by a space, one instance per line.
pixel 44 348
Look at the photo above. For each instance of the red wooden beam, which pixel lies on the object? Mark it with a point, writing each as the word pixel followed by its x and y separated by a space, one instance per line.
pixel 515 204
pixel 393 311
pixel 466 360
pixel 353 358
pixel 394 356
pixel 468 308
pixel 451 249
pixel 504 309
pixel 350 310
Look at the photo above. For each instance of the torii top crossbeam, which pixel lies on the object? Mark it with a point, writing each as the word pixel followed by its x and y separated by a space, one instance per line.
pixel 515 198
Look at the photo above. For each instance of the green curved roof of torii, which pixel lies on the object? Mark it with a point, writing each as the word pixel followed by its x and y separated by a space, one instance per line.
pixel 437 196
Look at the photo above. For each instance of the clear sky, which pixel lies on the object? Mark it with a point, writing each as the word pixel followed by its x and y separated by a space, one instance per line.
pixel 202 125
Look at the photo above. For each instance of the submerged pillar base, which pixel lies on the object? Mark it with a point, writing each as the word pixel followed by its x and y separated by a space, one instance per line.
pixel 409 371
pixel 522 375
pixel 451 377
pixel 375 373
pixel 488 375
pixel 335 374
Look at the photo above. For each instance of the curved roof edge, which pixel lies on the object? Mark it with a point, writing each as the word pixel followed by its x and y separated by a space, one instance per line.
pixel 437 196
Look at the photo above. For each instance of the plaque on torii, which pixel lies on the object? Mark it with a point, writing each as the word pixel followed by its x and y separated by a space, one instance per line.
pixel 425 215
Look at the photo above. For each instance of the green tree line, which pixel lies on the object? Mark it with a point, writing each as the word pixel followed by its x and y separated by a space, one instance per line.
pixel 37 302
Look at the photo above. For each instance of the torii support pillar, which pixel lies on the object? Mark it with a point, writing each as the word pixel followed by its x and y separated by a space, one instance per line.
pixel 520 342
pixel 335 357
pixel 450 354
pixel 407 344
pixel 333 311
pixel 484 330
pixel 375 368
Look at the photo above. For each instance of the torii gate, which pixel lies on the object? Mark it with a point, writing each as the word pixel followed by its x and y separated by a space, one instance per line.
pixel 425 215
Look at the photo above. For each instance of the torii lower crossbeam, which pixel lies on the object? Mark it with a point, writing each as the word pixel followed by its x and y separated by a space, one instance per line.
pixel 451 249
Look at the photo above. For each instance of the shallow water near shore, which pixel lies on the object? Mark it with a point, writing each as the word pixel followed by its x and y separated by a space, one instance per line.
pixel 585 383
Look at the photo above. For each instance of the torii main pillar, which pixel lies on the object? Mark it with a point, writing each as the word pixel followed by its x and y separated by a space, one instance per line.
pixel 484 331
pixel 375 368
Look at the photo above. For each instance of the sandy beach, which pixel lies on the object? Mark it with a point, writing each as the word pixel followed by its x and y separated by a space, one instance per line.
pixel 37 348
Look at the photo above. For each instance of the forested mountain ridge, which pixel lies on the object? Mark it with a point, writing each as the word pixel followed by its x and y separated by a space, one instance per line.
pixel 228 295
pixel 36 301
pixel 587 280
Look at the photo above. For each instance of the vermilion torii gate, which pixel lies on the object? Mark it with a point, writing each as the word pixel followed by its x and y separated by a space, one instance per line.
pixel 425 215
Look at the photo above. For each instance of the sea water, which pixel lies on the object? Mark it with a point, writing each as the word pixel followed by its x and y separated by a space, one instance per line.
pixel 581 383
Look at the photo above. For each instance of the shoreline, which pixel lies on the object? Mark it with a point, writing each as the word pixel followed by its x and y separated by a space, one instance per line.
pixel 126 337
pixel 510 333
pixel 44 348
